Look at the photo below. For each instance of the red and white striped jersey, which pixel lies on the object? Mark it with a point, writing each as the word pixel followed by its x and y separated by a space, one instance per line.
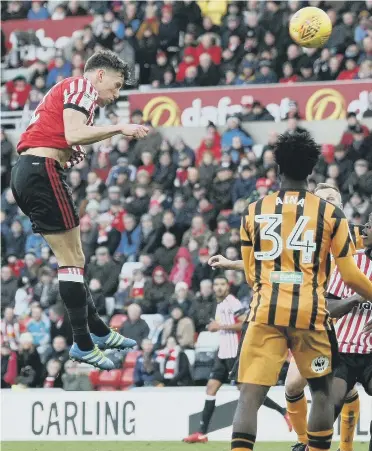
pixel 349 328
pixel 227 312
pixel 46 128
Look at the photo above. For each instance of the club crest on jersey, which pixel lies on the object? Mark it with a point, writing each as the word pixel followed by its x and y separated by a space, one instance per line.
pixel 290 200
pixel 320 364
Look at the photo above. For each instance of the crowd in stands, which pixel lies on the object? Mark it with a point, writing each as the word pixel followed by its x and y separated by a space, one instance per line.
pixel 190 43
pixel 152 213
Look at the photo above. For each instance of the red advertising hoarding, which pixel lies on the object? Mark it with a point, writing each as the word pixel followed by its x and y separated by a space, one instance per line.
pixel 195 107
pixel 53 28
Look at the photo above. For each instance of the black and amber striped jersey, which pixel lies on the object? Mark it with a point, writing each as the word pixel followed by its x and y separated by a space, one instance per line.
pixel 356 235
pixel 292 235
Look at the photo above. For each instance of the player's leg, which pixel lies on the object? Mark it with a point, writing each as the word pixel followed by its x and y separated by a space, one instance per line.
pixel 349 419
pixel 296 402
pixel 270 404
pixel 263 353
pixel 218 376
pixel 68 251
pixel 316 353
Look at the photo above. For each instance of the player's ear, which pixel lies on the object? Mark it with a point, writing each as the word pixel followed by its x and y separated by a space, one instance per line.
pixel 100 74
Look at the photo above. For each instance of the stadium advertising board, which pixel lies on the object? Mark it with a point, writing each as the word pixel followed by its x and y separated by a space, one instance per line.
pixel 193 108
pixel 136 415
pixel 53 29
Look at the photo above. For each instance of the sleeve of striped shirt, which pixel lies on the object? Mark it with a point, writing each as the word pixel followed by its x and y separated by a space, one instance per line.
pixel 336 285
pixel 80 96
pixel 341 242
pixel 244 233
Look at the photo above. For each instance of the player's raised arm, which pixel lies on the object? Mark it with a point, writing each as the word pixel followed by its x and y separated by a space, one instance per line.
pixel 343 250
pixel 78 133
pixel 219 261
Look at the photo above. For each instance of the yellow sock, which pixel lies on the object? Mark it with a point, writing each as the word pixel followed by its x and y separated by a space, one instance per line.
pixel 321 440
pixel 241 441
pixel 349 420
pixel 297 412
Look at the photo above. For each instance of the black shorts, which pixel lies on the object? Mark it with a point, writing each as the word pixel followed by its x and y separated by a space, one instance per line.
pixel 355 368
pixel 40 189
pixel 235 370
pixel 221 369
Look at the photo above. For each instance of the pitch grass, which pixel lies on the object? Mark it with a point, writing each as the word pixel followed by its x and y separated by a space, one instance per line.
pixel 146 446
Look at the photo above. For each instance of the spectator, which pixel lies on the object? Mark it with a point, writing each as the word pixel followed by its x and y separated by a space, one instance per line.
pixel 203 306
pixel 98 296
pixel 130 239
pixel 234 129
pixel 9 370
pixel 158 291
pixel 10 330
pixel 59 324
pixel 180 327
pixel 137 291
pixel 202 271
pixel 208 46
pixel 166 253
pixel 53 377
pixel 39 328
pixel 288 74
pixel 105 270
pixel 61 68
pixel 212 144
pixel 198 231
pixel 259 113
pixel 165 172
pixel 265 73
pixel 15 93
pixel 28 362
pixel 146 366
pixel 352 123
pixel 168 30
pixel 174 368
pixel 46 291
pixel 244 185
pixel 135 327
pixel 207 71
pixel 181 298
pixel 73 380
pixel 58 351
pixel 37 11
pixel 74 9
pixel 221 189
pixel 23 297
pixel 9 286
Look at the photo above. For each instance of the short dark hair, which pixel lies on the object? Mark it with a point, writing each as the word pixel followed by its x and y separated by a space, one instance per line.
pixel 105 59
pixel 220 276
pixel 296 154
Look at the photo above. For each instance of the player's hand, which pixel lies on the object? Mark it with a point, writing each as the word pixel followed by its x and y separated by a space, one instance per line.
pixel 219 261
pixel 135 130
pixel 213 326
pixel 77 157
pixel 367 329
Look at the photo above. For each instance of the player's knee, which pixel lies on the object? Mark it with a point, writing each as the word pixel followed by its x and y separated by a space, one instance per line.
pixel 212 388
pixel 294 386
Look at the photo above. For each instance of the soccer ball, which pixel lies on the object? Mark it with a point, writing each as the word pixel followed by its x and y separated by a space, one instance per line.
pixel 310 27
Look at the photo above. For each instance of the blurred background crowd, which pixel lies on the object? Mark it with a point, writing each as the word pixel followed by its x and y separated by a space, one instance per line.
pixel 154 211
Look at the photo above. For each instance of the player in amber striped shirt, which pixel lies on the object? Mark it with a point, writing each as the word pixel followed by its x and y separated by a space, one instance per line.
pixel 287 238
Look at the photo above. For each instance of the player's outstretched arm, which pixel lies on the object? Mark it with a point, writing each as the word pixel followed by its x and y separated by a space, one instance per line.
pixel 339 307
pixel 219 261
pixel 353 277
pixel 78 133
